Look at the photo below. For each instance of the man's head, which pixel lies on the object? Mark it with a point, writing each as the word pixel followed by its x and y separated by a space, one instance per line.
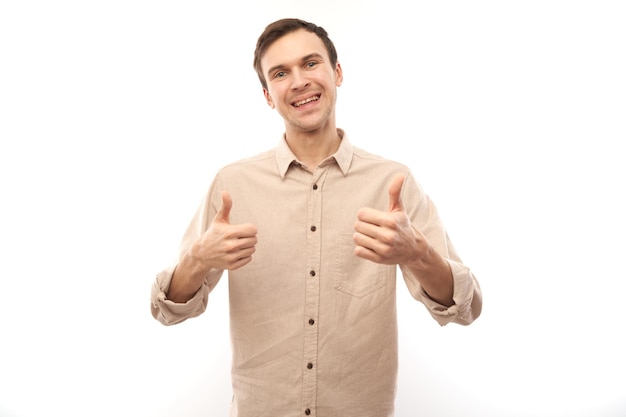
pixel 280 28
pixel 298 68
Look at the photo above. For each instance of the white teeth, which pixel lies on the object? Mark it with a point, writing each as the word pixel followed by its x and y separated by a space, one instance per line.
pixel 308 100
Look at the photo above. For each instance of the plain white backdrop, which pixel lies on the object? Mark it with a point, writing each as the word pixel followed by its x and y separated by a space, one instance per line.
pixel 115 115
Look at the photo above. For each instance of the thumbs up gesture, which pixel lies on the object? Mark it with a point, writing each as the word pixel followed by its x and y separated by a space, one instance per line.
pixel 225 245
pixel 388 237
pixel 221 246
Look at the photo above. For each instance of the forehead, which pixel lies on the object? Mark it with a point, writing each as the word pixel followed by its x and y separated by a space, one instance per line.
pixel 291 48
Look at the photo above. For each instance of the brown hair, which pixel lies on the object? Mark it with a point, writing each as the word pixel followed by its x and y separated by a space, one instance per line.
pixel 282 27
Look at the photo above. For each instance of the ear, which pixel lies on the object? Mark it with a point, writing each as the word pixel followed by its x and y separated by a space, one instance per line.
pixel 268 98
pixel 338 75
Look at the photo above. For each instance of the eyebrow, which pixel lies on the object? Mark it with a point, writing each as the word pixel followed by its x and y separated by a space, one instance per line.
pixel 303 59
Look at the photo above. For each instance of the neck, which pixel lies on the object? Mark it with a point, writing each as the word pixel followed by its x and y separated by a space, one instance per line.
pixel 311 148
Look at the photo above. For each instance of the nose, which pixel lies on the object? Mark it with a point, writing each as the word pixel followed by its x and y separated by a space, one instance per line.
pixel 299 80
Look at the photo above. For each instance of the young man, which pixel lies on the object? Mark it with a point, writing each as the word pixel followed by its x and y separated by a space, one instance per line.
pixel 311 234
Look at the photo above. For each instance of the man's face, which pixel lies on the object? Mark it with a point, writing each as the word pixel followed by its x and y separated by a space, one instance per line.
pixel 301 82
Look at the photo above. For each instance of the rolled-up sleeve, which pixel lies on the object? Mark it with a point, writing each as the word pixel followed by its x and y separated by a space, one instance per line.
pixel 467 294
pixel 467 297
pixel 168 312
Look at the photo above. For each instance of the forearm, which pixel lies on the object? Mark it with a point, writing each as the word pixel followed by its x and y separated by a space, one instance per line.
pixel 435 277
pixel 187 279
pixel 169 312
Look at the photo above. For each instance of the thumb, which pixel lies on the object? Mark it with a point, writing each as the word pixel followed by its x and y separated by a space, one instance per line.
pixel 223 214
pixel 395 202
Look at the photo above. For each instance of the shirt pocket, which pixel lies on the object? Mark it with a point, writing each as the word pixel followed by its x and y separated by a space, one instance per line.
pixel 356 276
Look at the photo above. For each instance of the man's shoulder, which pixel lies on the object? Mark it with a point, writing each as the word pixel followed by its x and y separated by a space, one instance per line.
pixel 377 158
pixel 258 158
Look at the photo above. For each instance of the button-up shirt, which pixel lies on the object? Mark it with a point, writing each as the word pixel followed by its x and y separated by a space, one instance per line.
pixel 313 327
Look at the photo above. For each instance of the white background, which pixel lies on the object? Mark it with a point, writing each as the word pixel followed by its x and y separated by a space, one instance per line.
pixel 115 116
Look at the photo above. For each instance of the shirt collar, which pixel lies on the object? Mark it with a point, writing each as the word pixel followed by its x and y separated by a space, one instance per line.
pixel 343 157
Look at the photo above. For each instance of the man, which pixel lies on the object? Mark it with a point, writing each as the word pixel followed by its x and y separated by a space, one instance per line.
pixel 311 234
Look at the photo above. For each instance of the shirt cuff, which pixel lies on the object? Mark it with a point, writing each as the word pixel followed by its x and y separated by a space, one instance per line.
pixel 168 312
pixel 464 289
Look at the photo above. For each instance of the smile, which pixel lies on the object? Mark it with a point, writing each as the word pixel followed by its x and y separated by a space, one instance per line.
pixel 305 101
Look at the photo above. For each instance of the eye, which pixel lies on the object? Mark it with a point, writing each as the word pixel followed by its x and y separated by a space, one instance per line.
pixel 279 74
pixel 311 64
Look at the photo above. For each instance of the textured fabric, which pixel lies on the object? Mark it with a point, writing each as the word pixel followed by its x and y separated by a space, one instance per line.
pixel 313 327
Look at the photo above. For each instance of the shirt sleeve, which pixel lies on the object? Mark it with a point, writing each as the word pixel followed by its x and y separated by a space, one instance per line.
pixel 467 294
pixel 166 311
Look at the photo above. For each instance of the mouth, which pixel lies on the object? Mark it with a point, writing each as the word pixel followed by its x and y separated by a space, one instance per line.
pixel 306 101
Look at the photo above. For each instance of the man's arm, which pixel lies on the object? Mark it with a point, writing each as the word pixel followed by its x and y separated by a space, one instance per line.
pixel 390 238
pixel 223 246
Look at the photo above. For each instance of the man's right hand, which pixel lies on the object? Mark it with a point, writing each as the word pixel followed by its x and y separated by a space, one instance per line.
pixel 221 246
pixel 225 245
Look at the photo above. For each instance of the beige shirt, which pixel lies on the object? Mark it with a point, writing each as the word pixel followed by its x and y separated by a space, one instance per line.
pixel 313 327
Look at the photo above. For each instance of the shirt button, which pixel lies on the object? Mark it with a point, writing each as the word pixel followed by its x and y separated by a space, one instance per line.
pixel 313 228
pixel 309 365
pixel 307 412
pixel 312 273
pixel 311 322
pixel 315 186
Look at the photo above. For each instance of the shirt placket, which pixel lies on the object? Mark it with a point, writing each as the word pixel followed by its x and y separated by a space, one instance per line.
pixel 312 293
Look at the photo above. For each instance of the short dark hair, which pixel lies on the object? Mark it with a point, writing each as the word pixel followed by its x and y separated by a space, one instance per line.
pixel 282 27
